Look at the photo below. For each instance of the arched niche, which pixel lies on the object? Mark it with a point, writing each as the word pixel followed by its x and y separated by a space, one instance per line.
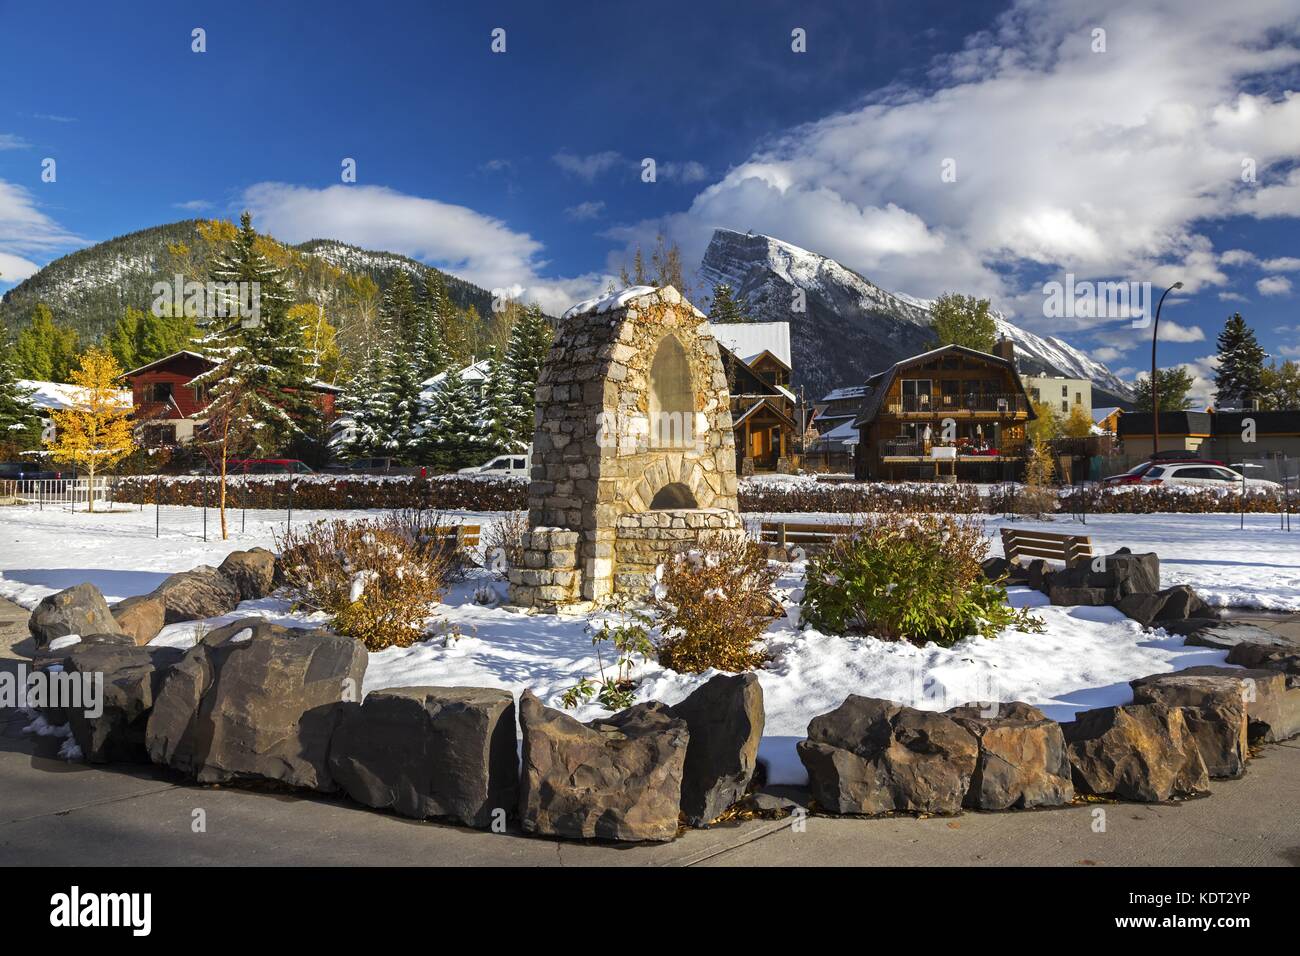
pixel 673 496
pixel 672 398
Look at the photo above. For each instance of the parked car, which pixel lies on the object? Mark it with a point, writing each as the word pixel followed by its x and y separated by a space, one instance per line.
pixel 268 466
pixel 25 471
pixel 516 464
pixel 1199 475
pixel 1134 475
pixel 375 466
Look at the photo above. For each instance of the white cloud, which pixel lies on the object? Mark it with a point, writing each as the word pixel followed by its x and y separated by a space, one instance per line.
pixel 193 205
pixel 592 209
pixel 1236 257
pixel 1171 331
pixel 687 172
pixel 1106 353
pixel 1065 159
pixel 26 231
pixel 10 141
pixel 1232 297
pixel 1290 351
pixel 1281 264
pixel 590 166
pixel 479 248
pixel 1274 285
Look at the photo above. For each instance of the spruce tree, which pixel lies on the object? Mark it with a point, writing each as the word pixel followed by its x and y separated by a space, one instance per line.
pixel 529 341
pixel 453 435
pixel 1239 378
pixel 261 360
pixel 45 350
pixel 400 392
pixel 725 307
pixel 495 408
pixel 365 404
pixel 20 424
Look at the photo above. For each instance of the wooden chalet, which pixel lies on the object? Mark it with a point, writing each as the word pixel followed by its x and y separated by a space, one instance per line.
pixel 764 412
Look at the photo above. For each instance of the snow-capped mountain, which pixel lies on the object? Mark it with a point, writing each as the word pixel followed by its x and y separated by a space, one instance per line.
pixel 851 328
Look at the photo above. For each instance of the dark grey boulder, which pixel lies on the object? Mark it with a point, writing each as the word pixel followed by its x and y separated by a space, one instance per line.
pixel 1284 658
pixel 1219 634
pixel 995 569
pixel 1177 603
pixel 725 720
pixel 431 752
pixel 80 609
pixel 142 616
pixel 1038 574
pixel 252 572
pixel 194 595
pixel 1214 709
pixel 1075 597
pixel 129 679
pixel 1142 752
pixel 1119 574
pixel 619 778
pixel 1022 760
pixel 254 701
pixel 873 756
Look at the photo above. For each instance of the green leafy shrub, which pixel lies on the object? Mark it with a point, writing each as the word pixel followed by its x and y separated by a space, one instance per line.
pixel 911 578
pixel 713 602
pixel 629 633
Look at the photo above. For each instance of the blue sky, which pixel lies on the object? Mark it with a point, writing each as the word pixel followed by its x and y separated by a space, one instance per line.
pixel 523 168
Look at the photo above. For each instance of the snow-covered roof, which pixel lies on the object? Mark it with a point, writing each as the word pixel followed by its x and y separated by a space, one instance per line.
pixel 478 372
pixel 1101 414
pixel 61 395
pixel 840 394
pixel 845 433
pixel 749 340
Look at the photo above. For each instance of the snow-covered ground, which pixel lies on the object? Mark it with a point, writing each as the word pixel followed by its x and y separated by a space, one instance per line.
pixel 1085 659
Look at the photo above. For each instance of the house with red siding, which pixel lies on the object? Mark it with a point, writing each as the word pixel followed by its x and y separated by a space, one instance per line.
pixel 167 400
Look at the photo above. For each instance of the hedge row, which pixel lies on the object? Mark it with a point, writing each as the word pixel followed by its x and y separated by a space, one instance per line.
pixel 472 493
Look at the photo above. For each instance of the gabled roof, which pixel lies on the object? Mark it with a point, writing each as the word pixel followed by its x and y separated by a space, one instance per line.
pixel 771 407
pixel 61 395
pixel 165 359
pixel 881 382
pixel 1101 414
pixel 751 340
pixel 741 379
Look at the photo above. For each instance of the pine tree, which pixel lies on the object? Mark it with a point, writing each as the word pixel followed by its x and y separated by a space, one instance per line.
pixel 529 341
pixel 453 435
pixel 138 338
pixel 495 408
pixel 365 405
pixel 45 350
pixel 400 309
pixel 1174 385
pixel 402 413
pixel 1239 378
pixel 261 361
pixel 20 424
pixel 725 307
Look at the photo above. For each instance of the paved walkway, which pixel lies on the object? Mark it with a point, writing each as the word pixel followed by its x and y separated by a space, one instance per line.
pixel 53 812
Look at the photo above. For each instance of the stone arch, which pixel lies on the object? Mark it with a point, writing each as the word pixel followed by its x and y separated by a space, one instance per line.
pixel 673 496
pixel 671 400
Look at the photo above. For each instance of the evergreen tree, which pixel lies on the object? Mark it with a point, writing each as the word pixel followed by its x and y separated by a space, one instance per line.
pixel 261 361
pixel 725 307
pixel 400 392
pixel 45 351
pixel 1239 378
pixel 529 341
pixel 400 309
pixel 20 424
pixel 366 405
pixel 495 408
pixel 431 354
pixel 138 338
pixel 1174 384
pixel 452 430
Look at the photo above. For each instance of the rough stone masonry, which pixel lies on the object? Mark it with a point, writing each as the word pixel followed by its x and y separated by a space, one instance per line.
pixel 633 451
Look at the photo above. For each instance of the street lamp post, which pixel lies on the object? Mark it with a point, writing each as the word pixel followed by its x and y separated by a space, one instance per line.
pixel 1155 385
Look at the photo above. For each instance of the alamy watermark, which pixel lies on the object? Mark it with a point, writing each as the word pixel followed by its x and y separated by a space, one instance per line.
pixel 1085 299
pixel 53 688
pixel 208 300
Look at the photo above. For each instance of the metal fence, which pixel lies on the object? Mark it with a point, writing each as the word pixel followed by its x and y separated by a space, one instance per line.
pixel 72 493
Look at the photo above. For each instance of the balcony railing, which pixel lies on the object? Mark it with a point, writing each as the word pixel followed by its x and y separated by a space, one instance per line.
pixel 1008 404
pixel 911 448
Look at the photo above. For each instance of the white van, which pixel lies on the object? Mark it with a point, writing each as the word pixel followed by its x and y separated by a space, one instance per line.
pixel 515 463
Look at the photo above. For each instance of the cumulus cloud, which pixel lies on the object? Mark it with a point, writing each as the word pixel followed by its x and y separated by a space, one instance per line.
pixel 193 205
pixel 1274 285
pixel 1281 264
pixel 592 209
pixel 10 141
pixel 477 247
pixel 1100 164
pixel 26 231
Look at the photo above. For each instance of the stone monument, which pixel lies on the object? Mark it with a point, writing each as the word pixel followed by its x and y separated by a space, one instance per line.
pixel 633 451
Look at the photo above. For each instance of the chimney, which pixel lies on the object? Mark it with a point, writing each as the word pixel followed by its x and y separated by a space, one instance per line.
pixel 1003 348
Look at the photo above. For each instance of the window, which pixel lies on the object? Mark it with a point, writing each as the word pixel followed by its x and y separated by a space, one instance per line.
pixel 158 434
pixel 916 394
pixel 160 392
pixel 1065 391
pixel 1065 405
pixel 1078 398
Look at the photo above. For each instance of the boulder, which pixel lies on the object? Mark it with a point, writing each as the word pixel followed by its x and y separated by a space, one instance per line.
pixel 1038 575
pixel 1138 752
pixel 1272 707
pixel 619 778
pixel 254 701
pixel 1212 632
pixel 430 752
pixel 252 572
pixel 197 594
pixel 874 756
pixel 1177 603
pixel 1283 658
pixel 141 616
pixel 1022 760
pixel 1214 709
pixel 59 655
pixel 131 678
pixel 80 609
pixel 1121 574
pixel 1073 597
pixel 725 722
pixel 995 569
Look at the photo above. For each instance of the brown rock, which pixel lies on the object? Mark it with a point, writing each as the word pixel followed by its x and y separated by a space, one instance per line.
pixel 1214 709
pixel 252 572
pixel 194 595
pixel 80 609
pixel 725 720
pixel 1137 752
pixel 142 616
pixel 1022 759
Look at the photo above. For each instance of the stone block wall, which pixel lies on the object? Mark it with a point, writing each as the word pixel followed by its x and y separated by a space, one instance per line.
pixel 550 576
pixel 647 539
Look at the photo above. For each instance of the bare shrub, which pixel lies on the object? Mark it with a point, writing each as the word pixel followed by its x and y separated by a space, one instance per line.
pixel 379 578
pixel 503 542
pixel 713 602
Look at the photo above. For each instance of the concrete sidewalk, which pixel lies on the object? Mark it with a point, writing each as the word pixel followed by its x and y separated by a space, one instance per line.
pixel 56 813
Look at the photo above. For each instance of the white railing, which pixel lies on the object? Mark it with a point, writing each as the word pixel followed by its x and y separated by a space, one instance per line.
pixel 68 492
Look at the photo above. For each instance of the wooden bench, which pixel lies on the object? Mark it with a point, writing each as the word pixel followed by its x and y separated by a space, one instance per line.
pixel 809 537
pixel 1017 543
pixel 462 535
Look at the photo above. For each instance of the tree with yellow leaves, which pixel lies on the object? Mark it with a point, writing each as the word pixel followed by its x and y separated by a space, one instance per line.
pixel 1079 424
pixel 94 432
